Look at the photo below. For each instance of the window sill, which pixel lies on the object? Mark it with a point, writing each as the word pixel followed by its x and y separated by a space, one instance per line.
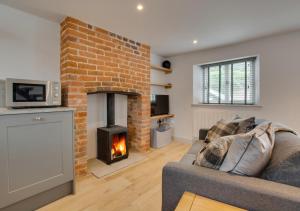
pixel 226 105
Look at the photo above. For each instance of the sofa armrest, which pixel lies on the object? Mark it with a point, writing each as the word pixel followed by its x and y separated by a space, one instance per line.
pixel 246 192
pixel 203 134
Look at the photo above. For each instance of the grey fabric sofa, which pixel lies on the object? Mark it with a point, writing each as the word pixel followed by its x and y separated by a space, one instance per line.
pixel 250 193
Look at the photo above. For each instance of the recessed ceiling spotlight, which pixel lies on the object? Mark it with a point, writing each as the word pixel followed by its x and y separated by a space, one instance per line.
pixel 139 7
pixel 195 41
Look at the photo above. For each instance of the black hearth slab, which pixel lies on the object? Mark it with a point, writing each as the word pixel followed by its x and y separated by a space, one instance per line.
pixel 116 92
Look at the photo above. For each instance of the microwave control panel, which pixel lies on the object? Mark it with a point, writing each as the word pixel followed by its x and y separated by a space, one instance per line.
pixel 2 93
pixel 56 93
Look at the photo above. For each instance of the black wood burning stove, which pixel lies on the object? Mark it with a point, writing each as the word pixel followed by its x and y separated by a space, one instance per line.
pixel 112 140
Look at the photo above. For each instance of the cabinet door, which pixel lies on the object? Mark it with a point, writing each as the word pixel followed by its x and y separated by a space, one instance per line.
pixel 36 154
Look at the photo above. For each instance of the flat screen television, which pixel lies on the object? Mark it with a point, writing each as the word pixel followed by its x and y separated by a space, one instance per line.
pixel 159 104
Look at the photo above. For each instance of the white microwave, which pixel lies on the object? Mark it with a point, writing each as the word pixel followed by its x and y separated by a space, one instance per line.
pixel 18 93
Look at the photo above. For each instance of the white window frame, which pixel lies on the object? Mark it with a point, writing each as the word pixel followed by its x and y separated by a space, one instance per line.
pixel 197 93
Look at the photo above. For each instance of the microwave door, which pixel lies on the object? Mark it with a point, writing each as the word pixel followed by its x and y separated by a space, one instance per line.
pixel 29 92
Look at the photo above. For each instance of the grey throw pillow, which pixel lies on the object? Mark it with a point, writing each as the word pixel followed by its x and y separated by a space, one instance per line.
pixel 287 171
pixel 284 166
pixel 250 152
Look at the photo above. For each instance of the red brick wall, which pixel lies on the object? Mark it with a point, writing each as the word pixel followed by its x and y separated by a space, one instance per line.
pixel 93 59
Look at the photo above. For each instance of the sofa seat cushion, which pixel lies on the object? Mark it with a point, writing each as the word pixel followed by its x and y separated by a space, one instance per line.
pixel 188 159
pixel 196 147
pixel 190 156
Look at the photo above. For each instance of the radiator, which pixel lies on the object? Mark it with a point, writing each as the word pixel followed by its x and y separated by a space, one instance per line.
pixel 207 117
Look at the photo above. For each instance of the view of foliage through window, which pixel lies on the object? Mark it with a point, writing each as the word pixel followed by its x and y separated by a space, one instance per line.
pixel 231 82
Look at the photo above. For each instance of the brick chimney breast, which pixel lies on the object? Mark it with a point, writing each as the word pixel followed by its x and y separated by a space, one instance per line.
pixel 95 60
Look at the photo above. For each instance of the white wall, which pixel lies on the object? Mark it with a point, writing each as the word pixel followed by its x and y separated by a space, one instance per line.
pixel 157 76
pixel 97 117
pixel 29 46
pixel 279 84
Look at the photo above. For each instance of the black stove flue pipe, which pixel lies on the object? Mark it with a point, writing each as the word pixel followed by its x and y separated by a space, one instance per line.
pixel 110 109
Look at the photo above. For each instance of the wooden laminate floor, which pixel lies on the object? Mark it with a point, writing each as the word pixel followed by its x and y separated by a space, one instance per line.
pixel 137 188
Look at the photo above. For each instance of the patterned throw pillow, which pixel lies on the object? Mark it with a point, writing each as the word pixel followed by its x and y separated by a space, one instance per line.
pixel 245 125
pixel 222 128
pixel 213 154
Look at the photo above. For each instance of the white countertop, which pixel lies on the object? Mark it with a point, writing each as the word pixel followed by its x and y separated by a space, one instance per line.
pixel 10 111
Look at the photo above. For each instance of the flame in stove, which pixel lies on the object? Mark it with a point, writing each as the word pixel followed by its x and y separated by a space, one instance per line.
pixel 119 145
pixel 121 148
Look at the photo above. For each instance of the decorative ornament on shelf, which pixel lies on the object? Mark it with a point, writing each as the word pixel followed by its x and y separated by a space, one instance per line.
pixel 166 64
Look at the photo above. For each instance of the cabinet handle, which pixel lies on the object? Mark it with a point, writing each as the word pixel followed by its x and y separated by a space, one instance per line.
pixel 38 118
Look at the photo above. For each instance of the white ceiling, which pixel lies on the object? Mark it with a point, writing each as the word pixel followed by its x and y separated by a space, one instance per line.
pixel 170 26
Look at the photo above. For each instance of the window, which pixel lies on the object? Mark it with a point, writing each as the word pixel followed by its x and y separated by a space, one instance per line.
pixel 229 82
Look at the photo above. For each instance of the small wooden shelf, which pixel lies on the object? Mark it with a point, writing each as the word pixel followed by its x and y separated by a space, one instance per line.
pixel 166 70
pixel 164 116
pixel 167 86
